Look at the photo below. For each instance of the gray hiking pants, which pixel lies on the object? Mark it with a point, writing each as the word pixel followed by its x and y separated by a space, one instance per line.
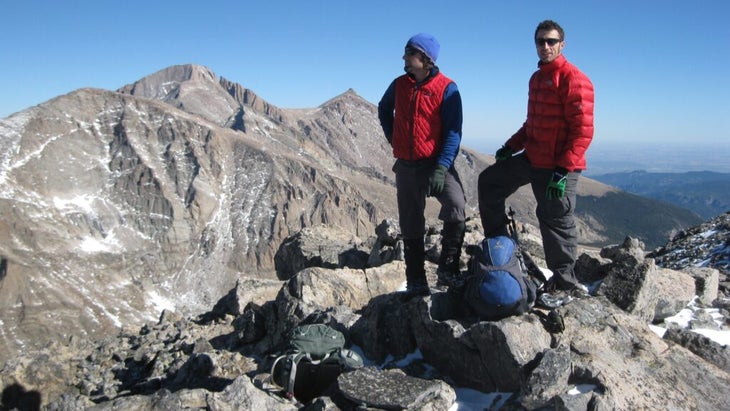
pixel 411 182
pixel 557 222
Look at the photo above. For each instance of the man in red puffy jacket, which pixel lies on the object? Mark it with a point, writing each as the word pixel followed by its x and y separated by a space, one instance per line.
pixel 547 152
pixel 421 116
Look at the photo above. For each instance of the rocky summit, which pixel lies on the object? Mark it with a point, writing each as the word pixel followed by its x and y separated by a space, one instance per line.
pixel 222 359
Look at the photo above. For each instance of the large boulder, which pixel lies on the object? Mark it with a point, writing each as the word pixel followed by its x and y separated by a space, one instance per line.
pixel 704 347
pixel 319 246
pixel 707 282
pixel 394 390
pixel 633 288
pixel 677 290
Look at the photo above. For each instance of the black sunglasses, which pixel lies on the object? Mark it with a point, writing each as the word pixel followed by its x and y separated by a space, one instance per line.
pixel 550 42
pixel 412 51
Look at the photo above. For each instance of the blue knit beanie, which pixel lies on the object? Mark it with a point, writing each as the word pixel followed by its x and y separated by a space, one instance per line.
pixel 426 43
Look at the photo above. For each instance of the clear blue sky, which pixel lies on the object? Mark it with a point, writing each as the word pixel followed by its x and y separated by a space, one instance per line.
pixel 661 69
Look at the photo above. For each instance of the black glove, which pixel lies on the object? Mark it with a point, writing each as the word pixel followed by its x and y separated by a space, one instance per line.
pixel 556 186
pixel 436 181
pixel 504 153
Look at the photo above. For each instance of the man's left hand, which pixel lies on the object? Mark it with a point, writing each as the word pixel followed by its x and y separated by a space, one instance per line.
pixel 556 186
pixel 436 181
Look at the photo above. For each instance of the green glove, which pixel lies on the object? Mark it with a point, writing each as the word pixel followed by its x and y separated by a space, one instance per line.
pixel 504 153
pixel 556 186
pixel 436 181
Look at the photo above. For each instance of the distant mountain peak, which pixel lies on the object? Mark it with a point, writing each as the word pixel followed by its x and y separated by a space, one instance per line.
pixel 191 72
pixel 350 92
pixel 160 84
pixel 349 96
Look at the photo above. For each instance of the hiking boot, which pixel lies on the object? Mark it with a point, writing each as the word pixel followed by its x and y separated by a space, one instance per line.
pixel 452 238
pixel 416 283
pixel 413 291
pixel 553 297
pixel 448 270
pixel 446 278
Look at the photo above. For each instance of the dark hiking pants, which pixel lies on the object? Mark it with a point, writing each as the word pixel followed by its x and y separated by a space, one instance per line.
pixel 557 222
pixel 411 181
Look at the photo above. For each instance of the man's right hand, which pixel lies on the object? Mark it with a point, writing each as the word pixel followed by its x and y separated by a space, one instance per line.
pixel 504 153
pixel 556 185
pixel 436 181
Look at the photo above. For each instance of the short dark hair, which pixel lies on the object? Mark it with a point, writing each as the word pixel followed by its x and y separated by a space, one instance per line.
pixel 550 25
pixel 427 62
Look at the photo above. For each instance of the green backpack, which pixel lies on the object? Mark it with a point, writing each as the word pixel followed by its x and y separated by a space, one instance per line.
pixel 315 357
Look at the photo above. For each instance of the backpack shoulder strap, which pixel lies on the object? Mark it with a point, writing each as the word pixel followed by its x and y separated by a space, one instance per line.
pixel 293 372
pixel 528 264
pixel 273 368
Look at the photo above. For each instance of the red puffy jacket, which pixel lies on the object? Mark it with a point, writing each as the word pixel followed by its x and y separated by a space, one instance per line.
pixel 418 132
pixel 559 124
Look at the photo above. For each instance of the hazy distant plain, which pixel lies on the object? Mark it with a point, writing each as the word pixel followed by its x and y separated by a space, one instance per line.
pixel 657 158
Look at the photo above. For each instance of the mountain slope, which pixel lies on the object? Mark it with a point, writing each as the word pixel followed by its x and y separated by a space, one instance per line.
pixel 703 192
pixel 620 214
pixel 115 207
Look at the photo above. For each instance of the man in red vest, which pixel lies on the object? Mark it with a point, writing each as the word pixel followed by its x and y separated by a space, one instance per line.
pixel 421 116
pixel 547 152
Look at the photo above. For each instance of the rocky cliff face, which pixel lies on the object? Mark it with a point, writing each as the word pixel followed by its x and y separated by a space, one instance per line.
pixel 115 207
pixel 163 194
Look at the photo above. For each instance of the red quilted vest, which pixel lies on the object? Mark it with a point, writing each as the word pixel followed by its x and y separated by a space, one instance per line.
pixel 417 130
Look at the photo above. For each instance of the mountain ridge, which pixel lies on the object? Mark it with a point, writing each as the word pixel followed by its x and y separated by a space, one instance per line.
pixel 703 192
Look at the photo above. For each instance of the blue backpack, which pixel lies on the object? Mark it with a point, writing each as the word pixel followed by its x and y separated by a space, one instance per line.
pixel 497 286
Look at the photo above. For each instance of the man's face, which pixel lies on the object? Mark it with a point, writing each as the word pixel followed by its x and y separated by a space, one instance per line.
pixel 549 45
pixel 413 60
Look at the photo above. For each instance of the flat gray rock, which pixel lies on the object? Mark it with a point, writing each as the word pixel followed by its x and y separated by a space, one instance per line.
pixel 392 389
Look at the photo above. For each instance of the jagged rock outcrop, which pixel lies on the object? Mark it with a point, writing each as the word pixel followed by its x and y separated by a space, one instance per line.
pixel 632 281
pixel 702 346
pixel 320 246
pixel 705 245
